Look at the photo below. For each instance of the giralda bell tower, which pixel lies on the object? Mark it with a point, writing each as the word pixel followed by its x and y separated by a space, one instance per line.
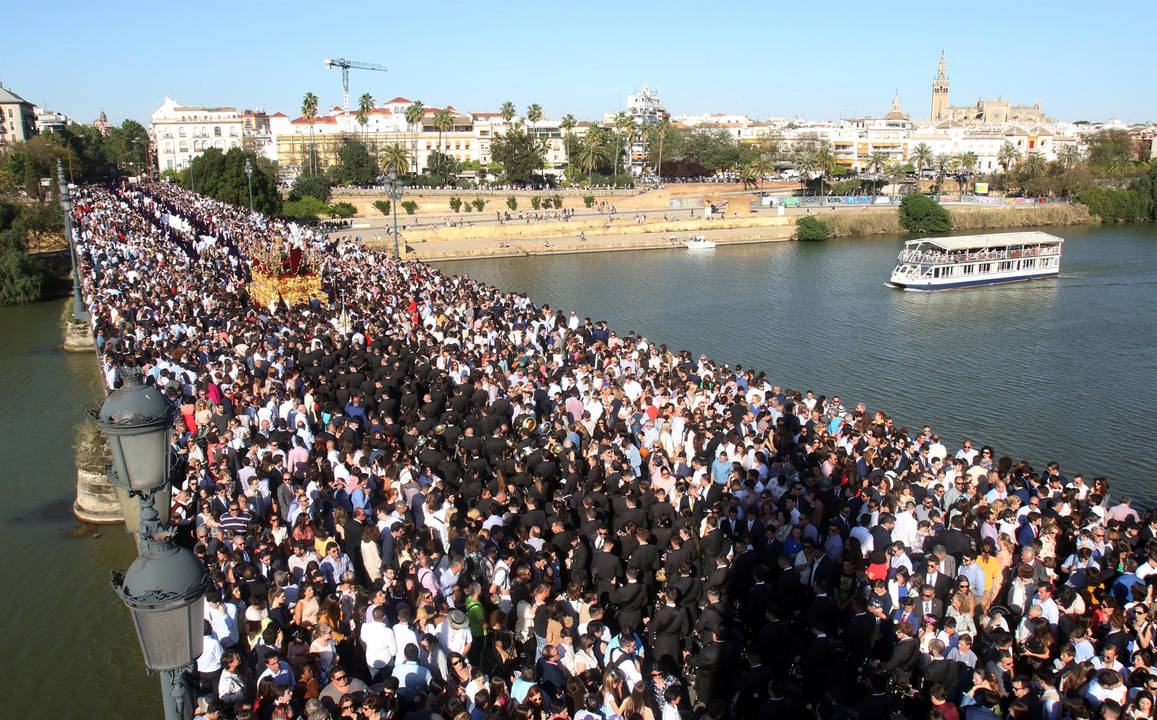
pixel 940 93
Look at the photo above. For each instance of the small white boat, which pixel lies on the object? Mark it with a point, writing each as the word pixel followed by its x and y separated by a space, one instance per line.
pixel 700 243
pixel 974 260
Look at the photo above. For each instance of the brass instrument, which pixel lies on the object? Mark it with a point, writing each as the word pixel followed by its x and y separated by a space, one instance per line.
pixel 528 425
pixel 440 429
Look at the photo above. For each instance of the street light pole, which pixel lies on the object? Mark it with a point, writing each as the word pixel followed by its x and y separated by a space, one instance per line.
pixel 395 188
pixel 249 174
pixel 164 588
pixel 78 311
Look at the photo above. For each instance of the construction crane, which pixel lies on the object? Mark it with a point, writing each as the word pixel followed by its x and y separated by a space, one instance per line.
pixel 346 66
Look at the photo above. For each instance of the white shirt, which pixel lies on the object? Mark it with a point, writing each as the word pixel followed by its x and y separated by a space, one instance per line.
pixel 404 635
pixel 210 658
pixel 380 643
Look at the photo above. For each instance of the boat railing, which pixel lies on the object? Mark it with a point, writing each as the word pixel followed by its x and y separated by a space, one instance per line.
pixel 939 257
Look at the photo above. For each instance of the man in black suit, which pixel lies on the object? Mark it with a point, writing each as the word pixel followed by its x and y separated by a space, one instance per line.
pixel 667 629
pixel 709 668
pixel 930 606
pixel 941 583
pixel 938 670
pixel 629 600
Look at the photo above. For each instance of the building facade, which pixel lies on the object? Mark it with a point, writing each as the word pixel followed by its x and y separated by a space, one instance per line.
pixel 181 133
pixel 17 118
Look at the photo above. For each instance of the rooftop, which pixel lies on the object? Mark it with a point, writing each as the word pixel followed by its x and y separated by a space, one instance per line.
pixel 970 242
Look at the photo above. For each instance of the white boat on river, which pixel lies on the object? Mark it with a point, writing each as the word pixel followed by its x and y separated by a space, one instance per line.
pixel 972 260
pixel 700 243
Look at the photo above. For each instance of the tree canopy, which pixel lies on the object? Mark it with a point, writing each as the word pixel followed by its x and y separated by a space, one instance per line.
pixel 520 152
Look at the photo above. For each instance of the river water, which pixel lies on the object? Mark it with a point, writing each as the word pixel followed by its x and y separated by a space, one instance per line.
pixel 1056 369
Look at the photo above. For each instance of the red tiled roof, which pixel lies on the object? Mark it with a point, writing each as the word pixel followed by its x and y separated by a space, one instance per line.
pixel 278 114
pixel 397 100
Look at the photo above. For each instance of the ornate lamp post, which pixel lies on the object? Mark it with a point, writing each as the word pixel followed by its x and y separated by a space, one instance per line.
pixel 164 588
pixel 249 174
pixel 78 311
pixel 395 189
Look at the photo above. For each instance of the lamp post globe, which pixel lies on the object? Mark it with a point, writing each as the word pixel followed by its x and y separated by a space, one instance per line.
pixel 137 419
pixel 164 590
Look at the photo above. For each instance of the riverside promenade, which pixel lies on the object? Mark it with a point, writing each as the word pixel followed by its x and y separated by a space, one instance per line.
pixel 422 494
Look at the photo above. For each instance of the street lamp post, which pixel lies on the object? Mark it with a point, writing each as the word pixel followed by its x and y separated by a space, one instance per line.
pixel 164 588
pixel 249 174
pixel 78 311
pixel 395 189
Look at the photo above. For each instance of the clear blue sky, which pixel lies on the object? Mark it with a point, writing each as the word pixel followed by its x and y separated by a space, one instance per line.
pixel 819 61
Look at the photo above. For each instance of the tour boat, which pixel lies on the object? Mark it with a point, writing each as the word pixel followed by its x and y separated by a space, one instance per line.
pixel 973 260
pixel 700 243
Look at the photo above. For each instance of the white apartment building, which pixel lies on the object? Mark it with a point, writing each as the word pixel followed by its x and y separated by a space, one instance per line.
pixel 181 133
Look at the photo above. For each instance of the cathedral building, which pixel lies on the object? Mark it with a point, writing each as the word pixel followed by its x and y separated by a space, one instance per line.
pixel 984 112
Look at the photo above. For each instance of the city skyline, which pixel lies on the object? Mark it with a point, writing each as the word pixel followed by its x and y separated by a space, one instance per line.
pixel 475 59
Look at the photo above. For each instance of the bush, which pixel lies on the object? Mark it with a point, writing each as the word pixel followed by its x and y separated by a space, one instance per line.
pixel 811 228
pixel 456 204
pixel 409 206
pixel 383 206
pixel 305 207
pixel 342 210
pixel 512 202
pixel 535 202
pixel 1112 205
pixel 589 200
pixel 467 206
pixel 479 203
pixel 558 202
pixel 919 213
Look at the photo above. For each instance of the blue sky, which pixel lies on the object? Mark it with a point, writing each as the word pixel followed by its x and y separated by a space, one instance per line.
pixel 818 60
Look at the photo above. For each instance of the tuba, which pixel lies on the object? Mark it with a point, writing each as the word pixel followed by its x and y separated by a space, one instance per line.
pixel 527 425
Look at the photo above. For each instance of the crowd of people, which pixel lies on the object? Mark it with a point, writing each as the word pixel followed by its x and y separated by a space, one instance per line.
pixel 419 496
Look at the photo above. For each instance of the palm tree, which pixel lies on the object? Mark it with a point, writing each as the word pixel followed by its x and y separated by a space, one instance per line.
pixel 922 157
pixel 309 112
pixel 534 112
pixel 763 166
pixel 592 150
pixel 396 156
pixel 1069 157
pixel 1007 156
pixel 877 161
pixel 805 165
pixel 896 173
pixel 749 175
pixel 825 163
pixel 624 124
pixel 568 124
pixel 415 114
pixel 660 130
pixel 968 162
pixel 507 111
pixel 443 121
pixel 941 162
pixel 365 107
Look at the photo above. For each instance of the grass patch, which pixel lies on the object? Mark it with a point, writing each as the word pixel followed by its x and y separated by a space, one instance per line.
pixel 979 218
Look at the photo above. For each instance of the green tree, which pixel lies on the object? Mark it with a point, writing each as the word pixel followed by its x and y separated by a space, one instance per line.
pixel 825 163
pixel 397 157
pixel 309 185
pixel 896 174
pixel 309 112
pixel 658 134
pixel 968 163
pixel 415 116
pixel 507 111
pixel 409 206
pixel 365 107
pixel 592 151
pixel 443 121
pixel 806 165
pixel 383 206
pixel 920 213
pixel 809 227
pixel 355 165
pixel 520 151
pixel 479 203
pixel 127 147
pixel 589 200
pixel 568 125
pixel 512 203
pixel 342 210
pixel 877 164
pixel 624 127
pixel 22 278
pixel 1007 156
pixel 456 204
pixel 922 157
pixel 534 113
pixel 442 167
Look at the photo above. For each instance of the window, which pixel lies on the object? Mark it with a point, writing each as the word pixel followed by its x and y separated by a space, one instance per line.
pixel 427 144
pixel 181 132
pixel 184 146
pixel 217 131
pixel 467 144
pixel 168 147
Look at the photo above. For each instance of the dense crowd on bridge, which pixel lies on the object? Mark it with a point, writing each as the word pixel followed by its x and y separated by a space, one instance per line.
pixel 422 497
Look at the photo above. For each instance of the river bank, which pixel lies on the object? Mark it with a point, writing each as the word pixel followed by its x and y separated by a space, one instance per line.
pixel 554 238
